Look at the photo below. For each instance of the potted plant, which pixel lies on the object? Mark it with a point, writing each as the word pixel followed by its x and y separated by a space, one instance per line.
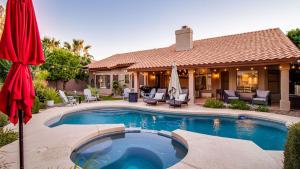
pixel 51 96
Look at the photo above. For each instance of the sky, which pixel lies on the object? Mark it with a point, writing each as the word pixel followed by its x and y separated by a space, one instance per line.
pixel 118 26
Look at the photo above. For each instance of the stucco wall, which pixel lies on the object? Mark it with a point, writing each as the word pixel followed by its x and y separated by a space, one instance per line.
pixel 71 85
pixel 121 78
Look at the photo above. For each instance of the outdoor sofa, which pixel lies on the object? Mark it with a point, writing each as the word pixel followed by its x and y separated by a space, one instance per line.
pixel 230 95
pixel 262 97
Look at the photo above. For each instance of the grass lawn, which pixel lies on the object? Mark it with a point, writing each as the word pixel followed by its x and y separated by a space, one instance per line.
pixel 107 98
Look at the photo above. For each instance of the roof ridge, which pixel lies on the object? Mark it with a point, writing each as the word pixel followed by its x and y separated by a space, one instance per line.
pixel 238 34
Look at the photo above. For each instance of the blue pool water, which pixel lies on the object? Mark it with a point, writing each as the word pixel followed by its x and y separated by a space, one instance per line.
pixel 266 134
pixel 130 151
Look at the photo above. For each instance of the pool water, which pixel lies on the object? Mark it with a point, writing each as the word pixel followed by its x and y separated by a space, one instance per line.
pixel 130 151
pixel 266 134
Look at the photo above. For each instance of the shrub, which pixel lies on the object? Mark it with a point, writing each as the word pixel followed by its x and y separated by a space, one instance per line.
pixel 36 105
pixel 7 136
pixel 42 105
pixel 51 94
pixel 239 104
pixel 213 103
pixel 262 108
pixel 40 83
pixel 292 148
pixel 3 120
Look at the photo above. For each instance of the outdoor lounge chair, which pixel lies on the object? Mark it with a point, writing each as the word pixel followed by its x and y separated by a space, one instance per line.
pixel 183 99
pixel 262 97
pixel 230 95
pixel 67 99
pixel 126 93
pixel 160 96
pixel 151 94
pixel 88 95
pixel 186 98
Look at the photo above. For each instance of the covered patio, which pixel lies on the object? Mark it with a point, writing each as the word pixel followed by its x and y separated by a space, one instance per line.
pixel 207 82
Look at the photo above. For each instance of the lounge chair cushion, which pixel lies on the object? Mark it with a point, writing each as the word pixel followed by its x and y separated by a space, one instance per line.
pixel 260 99
pixel 181 97
pixel 262 93
pixel 158 96
pixel 230 93
pixel 233 98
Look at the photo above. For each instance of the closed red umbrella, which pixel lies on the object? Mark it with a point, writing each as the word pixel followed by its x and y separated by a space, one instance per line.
pixel 21 44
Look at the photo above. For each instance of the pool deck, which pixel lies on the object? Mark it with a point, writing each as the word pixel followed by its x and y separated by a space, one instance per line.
pixel 51 147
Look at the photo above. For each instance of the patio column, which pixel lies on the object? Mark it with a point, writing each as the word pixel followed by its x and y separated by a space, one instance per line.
pixel 136 81
pixel 145 78
pixel 95 82
pixel 191 86
pixel 284 87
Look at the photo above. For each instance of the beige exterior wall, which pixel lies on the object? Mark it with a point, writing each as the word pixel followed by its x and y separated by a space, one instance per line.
pixel 121 77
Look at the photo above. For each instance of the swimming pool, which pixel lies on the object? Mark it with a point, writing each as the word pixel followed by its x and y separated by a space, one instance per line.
pixel 129 151
pixel 266 134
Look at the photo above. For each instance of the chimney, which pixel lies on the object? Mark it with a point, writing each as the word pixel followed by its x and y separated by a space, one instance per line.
pixel 184 38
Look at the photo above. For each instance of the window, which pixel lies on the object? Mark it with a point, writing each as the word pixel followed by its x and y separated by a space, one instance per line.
pixel 247 81
pixel 203 81
pixel 127 79
pixel 97 81
pixel 105 81
pixel 115 77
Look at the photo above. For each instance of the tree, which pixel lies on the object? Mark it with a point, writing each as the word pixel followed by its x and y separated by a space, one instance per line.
pixel 62 65
pixel 67 46
pixel 4 69
pixel 77 46
pixel 50 44
pixel 294 35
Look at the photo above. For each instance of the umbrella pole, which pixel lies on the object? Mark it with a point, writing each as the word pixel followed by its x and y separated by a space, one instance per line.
pixel 21 145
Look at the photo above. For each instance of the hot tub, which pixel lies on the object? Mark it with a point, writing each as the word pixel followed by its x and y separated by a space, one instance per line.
pixel 130 150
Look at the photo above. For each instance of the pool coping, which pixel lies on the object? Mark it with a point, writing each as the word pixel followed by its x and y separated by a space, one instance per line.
pixel 47 142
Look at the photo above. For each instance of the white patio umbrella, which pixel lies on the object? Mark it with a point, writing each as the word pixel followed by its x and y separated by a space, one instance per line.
pixel 174 85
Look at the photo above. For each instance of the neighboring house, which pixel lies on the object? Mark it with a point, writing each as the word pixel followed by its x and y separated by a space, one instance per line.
pixel 243 62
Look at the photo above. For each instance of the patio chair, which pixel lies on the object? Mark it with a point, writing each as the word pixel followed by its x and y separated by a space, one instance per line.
pixel 126 93
pixel 164 91
pixel 88 95
pixel 184 96
pixel 230 95
pixel 159 96
pixel 67 99
pixel 262 97
pixel 151 94
pixel 183 99
pixel 174 103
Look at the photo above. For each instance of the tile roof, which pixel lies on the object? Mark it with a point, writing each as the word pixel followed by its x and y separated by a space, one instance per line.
pixel 263 46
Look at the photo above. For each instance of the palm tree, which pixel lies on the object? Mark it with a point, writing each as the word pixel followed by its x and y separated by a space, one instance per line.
pixel 77 46
pixel 67 46
pixel 50 44
pixel 86 52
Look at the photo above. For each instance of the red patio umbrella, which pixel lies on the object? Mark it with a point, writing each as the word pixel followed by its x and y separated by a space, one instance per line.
pixel 21 44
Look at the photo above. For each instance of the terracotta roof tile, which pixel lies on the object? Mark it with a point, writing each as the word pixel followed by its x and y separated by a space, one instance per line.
pixel 256 46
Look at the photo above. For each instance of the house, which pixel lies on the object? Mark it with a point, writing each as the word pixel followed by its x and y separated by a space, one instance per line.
pixel 244 62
